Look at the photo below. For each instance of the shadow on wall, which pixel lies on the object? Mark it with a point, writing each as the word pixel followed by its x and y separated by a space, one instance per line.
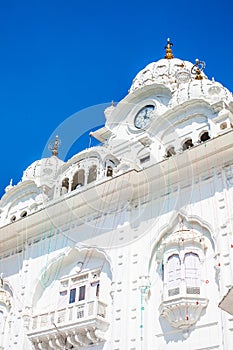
pixel 171 334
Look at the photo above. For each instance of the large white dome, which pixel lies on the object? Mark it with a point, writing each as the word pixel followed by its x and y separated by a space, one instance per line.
pixel 169 72
pixel 185 80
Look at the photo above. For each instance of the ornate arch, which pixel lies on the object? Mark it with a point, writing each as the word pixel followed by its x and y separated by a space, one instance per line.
pixel 192 221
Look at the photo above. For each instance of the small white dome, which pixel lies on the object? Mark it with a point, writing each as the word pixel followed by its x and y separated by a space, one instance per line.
pixel 43 171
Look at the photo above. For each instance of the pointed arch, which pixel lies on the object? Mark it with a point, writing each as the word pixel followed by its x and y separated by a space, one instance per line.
pixel 71 258
pixel 194 223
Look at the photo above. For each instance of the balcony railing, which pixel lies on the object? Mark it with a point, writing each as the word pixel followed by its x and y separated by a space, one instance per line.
pixel 83 323
pixel 74 313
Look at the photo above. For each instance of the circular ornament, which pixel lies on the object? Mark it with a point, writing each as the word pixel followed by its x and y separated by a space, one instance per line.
pixel 144 116
pixel 183 76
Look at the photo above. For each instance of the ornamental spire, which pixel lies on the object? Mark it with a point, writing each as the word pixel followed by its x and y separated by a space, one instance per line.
pixel 168 47
pixel 197 69
pixel 54 145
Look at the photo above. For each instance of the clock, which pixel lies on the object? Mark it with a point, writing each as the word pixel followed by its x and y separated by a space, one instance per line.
pixel 143 117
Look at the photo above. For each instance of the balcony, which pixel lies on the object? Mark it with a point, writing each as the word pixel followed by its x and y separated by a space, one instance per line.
pixel 183 311
pixel 79 324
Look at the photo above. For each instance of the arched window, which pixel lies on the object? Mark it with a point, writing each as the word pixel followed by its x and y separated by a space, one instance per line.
pixel 92 174
pixel 204 136
pixel 13 218
pixel 23 214
pixel 192 273
pixel 109 166
pixel 78 179
pixel 170 152
pixel 109 171
pixel 65 186
pixel 187 144
pixel 173 274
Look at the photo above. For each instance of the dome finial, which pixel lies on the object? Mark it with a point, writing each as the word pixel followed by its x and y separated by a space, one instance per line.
pixel 197 69
pixel 54 145
pixel 168 47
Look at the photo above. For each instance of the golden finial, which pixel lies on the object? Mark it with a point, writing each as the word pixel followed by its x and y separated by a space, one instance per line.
pixel 168 47
pixel 112 103
pixel 197 69
pixel 54 145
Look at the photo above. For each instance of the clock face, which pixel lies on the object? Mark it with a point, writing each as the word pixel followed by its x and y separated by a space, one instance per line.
pixel 144 116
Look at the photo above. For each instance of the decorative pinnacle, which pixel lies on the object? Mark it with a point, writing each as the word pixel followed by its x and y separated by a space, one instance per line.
pixel 112 103
pixel 197 68
pixel 54 145
pixel 168 47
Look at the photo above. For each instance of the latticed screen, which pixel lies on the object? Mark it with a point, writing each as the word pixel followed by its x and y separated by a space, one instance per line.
pixel 174 274
pixel 192 273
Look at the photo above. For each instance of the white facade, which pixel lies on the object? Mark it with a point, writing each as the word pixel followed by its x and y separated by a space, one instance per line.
pixel 128 245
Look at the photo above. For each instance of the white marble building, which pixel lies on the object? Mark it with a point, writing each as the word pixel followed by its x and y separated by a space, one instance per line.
pixel 127 245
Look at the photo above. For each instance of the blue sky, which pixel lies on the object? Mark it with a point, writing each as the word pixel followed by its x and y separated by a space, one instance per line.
pixel 61 56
